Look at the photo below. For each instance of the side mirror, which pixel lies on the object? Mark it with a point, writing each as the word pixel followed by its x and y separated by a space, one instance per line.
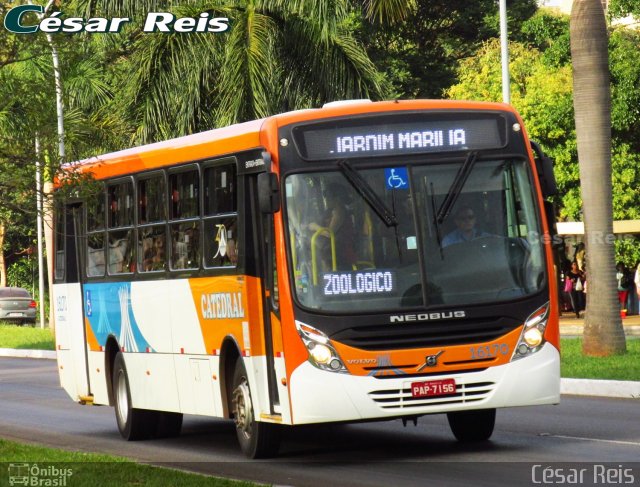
pixel 544 165
pixel 550 213
pixel 268 192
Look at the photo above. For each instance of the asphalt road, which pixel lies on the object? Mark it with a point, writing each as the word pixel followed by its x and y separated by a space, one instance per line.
pixel 581 432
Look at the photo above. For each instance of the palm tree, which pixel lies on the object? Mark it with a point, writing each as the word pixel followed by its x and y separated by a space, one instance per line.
pixel 277 55
pixel 603 332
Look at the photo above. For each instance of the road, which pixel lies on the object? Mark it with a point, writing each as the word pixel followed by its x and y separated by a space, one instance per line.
pixel 35 409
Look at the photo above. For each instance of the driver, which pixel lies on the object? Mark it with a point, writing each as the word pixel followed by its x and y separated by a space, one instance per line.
pixel 466 229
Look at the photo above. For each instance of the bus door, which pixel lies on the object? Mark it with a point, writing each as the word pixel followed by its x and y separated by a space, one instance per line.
pixel 263 230
pixel 71 339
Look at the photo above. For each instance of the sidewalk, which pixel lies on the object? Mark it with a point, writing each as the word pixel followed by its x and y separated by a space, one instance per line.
pixel 572 326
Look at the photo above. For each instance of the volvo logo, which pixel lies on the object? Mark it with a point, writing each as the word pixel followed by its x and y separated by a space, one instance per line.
pixel 430 360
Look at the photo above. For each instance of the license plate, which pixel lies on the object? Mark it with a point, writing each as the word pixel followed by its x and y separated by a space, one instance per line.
pixel 430 388
pixel 16 315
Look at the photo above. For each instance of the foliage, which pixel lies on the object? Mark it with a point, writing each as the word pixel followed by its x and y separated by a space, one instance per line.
pixel 22 273
pixel 622 8
pixel 420 55
pixel 277 56
pixel 541 86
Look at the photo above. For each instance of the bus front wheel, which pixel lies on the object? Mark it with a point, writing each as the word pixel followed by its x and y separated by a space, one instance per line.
pixel 257 439
pixel 470 426
pixel 133 424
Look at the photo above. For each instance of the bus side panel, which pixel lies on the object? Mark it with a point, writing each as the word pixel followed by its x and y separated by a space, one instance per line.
pixel 152 310
pixel 193 367
pixel 98 378
pixel 70 341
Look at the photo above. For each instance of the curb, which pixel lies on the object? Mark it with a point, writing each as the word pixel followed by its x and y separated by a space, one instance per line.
pixel 579 387
pixel 604 388
pixel 17 353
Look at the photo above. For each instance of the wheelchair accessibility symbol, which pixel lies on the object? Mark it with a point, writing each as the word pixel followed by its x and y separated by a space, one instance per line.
pixel 397 178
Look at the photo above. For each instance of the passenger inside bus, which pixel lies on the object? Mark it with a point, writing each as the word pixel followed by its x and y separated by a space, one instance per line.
pixel 335 222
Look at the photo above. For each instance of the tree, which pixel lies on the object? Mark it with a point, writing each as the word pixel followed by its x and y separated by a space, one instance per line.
pixel 603 332
pixel 420 55
pixel 278 55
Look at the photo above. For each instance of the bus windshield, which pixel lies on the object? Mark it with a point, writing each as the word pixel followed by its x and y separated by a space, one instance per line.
pixel 486 246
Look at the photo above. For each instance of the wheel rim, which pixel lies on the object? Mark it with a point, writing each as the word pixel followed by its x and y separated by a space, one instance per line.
pixel 242 409
pixel 122 399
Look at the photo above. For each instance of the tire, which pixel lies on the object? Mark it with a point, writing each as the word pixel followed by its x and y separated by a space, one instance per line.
pixel 133 424
pixel 257 439
pixel 169 425
pixel 472 426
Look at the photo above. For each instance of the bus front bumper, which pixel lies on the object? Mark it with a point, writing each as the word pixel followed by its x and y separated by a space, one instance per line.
pixel 318 396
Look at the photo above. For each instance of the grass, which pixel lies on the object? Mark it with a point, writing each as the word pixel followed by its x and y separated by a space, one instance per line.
pixel 89 469
pixel 573 363
pixel 26 337
pixel 617 367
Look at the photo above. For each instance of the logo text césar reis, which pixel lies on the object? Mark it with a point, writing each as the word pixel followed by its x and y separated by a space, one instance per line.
pixel 18 21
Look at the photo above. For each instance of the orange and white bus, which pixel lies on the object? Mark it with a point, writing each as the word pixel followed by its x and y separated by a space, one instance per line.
pixel 357 262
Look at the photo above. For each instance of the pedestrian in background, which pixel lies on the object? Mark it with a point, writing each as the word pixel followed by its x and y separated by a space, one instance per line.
pixel 576 276
pixel 624 283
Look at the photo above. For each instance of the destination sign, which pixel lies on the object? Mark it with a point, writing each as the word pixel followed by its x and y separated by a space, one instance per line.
pixel 398 135
pixel 364 282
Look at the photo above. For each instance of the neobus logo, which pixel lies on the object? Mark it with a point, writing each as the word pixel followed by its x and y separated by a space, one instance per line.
pixel 445 315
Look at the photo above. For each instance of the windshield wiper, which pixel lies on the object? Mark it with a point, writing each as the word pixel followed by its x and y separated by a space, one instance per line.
pixel 368 194
pixel 456 187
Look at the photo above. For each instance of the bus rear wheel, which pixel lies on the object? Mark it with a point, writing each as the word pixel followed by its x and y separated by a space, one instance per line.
pixel 257 439
pixel 133 424
pixel 472 426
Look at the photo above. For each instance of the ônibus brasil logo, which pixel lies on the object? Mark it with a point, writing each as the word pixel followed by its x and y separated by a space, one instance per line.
pixel 15 22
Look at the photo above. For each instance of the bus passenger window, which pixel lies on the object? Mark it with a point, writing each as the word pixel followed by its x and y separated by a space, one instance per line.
pixel 221 242
pixel 185 241
pixel 121 205
pixel 152 200
pixel 95 255
pixel 120 252
pixel 184 194
pixel 59 242
pixel 221 219
pixel 152 249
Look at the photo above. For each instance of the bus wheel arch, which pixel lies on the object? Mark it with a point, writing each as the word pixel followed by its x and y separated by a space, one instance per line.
pixel 110 351
pixel 229 354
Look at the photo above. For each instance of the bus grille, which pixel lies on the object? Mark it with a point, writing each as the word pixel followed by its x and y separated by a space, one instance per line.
pixel 401 398
pixel 423 335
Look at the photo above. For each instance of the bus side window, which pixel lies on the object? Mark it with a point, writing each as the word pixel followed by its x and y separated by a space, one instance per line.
pixel 185 240
pixel 95 266
pixel 120 250
pixel 221 217
pixel 152 215
pixel 59 230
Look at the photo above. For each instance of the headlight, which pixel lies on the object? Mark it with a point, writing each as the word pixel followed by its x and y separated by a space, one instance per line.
pixel 532 337
pixel 321 353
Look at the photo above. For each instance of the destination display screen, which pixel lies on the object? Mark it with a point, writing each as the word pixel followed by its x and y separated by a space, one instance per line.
pixel 363 282
pixel 400 134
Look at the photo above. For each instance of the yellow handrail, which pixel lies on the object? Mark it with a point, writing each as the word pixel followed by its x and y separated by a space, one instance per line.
pixel 314 257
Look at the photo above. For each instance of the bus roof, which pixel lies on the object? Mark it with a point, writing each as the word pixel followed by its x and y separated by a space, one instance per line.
pixel 249 135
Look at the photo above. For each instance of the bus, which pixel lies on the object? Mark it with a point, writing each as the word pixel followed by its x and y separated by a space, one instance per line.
pixel 362 261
